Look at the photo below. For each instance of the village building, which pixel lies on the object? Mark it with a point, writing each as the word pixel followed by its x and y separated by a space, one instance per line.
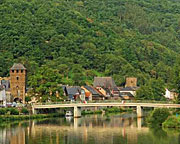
pixel 92 94
pixel 131 82
pixel 106 93
pixel 108 84
pixel 88 94
pixel 5 82
pixel 72 92
pixel 2 96
pixel 171 94
pixel 18 82
pixel 129 91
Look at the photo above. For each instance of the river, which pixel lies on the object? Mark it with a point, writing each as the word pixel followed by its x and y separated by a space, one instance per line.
pixel 90 129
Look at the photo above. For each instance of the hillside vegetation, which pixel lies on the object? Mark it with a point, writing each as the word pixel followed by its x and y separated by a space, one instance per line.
pixel 71 41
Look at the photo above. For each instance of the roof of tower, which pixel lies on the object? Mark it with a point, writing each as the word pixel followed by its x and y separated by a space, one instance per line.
pixel 18 66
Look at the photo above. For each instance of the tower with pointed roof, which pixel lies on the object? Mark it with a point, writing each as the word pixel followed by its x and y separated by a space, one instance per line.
pixel 18 82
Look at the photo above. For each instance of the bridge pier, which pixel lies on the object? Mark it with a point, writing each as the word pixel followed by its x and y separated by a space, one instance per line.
pixel 34 111
pixel 139 111
pixel 77 112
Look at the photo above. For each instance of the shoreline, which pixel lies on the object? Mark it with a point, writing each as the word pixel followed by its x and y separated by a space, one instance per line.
pixel 28 117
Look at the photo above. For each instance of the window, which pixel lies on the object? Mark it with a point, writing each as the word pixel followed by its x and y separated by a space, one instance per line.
pixel 17 71
pixel 12 71
pixel 21 71
pixel 17 78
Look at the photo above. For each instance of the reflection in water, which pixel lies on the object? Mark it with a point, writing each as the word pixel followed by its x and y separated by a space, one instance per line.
pixel 121 128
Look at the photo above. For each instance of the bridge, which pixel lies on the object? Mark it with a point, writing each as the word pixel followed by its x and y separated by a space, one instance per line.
pixel 77 106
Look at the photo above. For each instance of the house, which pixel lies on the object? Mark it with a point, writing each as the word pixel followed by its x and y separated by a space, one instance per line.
pixel 88 94
pixel 171 94
pixel 2 96
pixel 126 95
pixel 105 92
pixel 72 92
pixel 92 93
pixel 128 92
pixel 6 83
pixel 108 84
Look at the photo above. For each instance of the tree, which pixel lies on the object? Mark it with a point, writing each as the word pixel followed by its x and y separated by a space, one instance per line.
pixel 153 90
pixel 45 83
pixel 27 99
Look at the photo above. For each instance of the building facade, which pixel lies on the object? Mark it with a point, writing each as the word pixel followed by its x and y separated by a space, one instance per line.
pixel 18 82
pixel 131 82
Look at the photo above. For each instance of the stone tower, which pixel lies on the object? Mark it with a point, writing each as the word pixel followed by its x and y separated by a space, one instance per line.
pixel 18 82
pixel 131 82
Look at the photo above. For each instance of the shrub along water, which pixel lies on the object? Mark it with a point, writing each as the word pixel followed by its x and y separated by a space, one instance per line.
pixel 25 111
pixel 25 117
pixel 158 116
pixel 8 114
pixel 172 122
pixel 107 110
pixel 11 111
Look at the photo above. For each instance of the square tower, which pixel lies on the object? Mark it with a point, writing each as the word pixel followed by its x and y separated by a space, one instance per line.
pixel 131 82
pixel 18 82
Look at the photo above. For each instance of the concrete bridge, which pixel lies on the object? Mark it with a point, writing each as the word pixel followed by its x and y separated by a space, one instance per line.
pixel 77 106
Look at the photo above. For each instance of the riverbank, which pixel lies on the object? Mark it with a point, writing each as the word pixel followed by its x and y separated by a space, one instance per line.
pixel 16 116
pixel 27 117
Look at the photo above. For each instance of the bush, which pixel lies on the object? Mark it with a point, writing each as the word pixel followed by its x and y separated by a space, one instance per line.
pixel 172 122
pixel 2 111
pixel 25 111
pixel 13 111
pixel 27 99
pixel 158 116
pixel 113 110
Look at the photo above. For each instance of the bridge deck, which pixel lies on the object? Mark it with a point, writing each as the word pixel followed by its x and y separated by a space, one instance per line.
pixel 107 104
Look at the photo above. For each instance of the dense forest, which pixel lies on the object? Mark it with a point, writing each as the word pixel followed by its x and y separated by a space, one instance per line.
pixel 71 41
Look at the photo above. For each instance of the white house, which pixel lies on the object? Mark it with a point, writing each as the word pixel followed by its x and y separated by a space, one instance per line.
pixel 170 94
pixel 2 96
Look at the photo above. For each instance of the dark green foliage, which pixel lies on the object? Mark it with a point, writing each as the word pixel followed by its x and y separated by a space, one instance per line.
pixel 25 117
pixel 154 89
pixel 25 111
pixel 158 116
pixel 27 99
pixel 70 42
pixel 172 122
pixel 113 110
pixel 2 111
pixel 13 111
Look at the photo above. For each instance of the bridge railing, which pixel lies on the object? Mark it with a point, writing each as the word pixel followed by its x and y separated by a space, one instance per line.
pixel 107 101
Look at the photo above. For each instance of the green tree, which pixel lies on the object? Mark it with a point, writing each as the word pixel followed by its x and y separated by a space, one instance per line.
pixel 153 90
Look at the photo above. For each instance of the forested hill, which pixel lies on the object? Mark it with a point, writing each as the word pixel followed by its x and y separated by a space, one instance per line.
pixel 71 41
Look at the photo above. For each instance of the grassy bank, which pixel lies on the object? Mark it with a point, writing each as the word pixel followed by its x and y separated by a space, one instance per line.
pixel 11 114
pixel 26 117
pixel 106 110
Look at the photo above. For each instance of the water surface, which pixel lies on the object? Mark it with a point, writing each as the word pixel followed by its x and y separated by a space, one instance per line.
pixel 90 129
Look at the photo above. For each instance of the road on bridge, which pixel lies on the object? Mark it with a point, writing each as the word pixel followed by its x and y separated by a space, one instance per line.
pixel 155 105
